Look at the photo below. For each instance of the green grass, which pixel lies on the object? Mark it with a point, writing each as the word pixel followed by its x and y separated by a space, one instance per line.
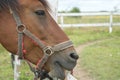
pixel 6 71
pixel 102 60
pixel 116 18
pixel 5 65
pixel 89 19
pixel 83 35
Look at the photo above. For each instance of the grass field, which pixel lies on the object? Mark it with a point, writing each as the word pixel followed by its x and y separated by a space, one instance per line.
pixel 89 19
pixel 102 60
pixel 83 35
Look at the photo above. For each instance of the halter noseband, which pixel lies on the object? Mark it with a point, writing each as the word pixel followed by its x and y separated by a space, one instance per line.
pixel 47 50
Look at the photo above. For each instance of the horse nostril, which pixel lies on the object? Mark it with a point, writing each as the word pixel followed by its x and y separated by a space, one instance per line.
pixel 74 56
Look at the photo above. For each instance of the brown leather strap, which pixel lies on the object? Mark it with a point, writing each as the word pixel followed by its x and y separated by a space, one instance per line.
pixel 33 37
pixel 48 50
pixel 62 46
pixel 53 49
pixel 20 50
pixel 20 33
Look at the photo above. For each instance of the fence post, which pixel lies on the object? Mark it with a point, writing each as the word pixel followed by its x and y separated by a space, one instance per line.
pixel 62 21
pixel 111 22
pixel 16 68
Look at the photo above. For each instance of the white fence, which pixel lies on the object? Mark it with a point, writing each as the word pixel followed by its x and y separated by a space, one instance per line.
pixel 109 24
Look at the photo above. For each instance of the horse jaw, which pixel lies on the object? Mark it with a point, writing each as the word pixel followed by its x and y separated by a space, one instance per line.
pixel 57 72
pixel 59 63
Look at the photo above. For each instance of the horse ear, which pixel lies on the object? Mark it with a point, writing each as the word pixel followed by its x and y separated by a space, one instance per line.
pixel 6 4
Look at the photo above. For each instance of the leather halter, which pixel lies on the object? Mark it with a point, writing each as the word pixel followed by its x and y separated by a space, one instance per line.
pixel 47 50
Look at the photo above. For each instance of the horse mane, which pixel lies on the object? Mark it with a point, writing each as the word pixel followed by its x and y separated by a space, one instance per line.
pixel 5 4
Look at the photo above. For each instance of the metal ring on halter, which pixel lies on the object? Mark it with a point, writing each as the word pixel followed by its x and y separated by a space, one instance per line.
pixel 21 28
pixel 48 50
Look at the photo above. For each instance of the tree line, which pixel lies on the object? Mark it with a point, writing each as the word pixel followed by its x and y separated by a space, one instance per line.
pixel 73 10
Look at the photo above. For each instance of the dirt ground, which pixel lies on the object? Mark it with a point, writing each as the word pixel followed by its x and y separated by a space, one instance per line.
pixel 79 72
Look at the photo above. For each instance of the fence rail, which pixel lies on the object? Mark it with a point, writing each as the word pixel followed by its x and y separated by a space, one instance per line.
pixel 108 24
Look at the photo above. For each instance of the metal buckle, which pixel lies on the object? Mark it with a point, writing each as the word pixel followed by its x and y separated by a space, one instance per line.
pixel 21 28
pixel 48 50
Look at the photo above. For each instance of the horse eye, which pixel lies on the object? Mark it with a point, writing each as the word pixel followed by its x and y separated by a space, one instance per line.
pixel 40 12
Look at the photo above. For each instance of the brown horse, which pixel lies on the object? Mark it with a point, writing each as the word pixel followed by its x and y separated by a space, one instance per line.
pixel 34 14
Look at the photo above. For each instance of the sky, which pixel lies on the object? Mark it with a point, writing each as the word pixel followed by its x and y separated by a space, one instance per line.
pixel 87 5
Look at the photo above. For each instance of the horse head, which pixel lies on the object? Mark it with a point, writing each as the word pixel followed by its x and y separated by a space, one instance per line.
pixel 36 19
